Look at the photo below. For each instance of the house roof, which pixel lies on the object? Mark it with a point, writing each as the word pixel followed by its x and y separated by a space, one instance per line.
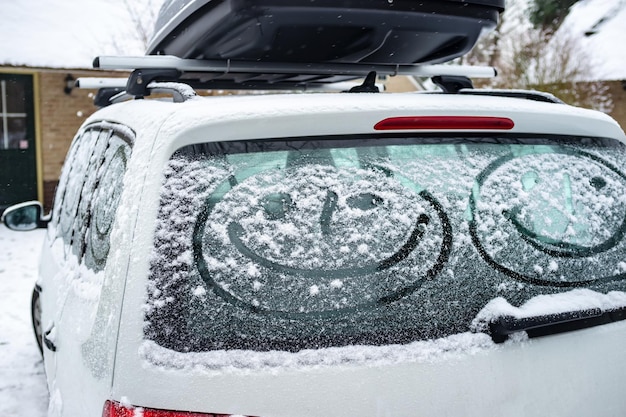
pixel 67 33
pixel 600 27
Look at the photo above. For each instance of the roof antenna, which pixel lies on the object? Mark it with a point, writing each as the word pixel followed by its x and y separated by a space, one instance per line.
pixel 368 86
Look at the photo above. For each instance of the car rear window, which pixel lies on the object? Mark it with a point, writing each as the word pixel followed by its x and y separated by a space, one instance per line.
pixel 291 244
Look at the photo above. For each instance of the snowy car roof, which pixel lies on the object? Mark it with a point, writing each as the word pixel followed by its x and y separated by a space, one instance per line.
pixel 334 114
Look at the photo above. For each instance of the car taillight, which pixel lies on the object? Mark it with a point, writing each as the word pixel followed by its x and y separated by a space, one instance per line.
pixel 115 409
pixel 445 123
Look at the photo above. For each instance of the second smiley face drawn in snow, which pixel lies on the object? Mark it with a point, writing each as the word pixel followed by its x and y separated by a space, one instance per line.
pixel 316 240
pixel 551 216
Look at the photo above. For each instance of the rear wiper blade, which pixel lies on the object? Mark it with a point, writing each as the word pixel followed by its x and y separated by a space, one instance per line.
pixel 537 326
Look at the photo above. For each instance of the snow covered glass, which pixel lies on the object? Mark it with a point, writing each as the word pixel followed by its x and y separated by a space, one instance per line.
pixel 89 192
pixel 294 244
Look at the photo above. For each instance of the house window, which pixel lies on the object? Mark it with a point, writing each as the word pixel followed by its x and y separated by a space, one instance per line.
pixel 18 156
pixel 13 134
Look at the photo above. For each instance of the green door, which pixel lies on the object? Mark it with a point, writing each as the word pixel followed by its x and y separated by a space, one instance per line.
pixel 18 164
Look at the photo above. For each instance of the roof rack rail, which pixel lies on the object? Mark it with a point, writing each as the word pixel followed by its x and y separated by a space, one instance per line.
pixel 241 75
pixel 100 82
pixel 523 94
pixel 338 68
pixel 113 90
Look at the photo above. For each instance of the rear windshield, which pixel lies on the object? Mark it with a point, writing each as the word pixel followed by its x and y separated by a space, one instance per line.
pixel 294 244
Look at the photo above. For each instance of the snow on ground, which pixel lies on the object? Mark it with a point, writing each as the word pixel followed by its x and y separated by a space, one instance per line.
pixel 23 391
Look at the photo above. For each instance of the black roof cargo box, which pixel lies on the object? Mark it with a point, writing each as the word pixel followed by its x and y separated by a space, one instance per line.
pixel 323 31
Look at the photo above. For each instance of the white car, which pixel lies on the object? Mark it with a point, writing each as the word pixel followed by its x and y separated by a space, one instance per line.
pixel 337 254
pixel 460 253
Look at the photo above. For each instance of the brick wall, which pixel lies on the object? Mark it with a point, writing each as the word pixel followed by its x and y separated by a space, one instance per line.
pixel 617 89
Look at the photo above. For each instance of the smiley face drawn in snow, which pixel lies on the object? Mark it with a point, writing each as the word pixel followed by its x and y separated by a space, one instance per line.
pixel 551 217
pixel 315 240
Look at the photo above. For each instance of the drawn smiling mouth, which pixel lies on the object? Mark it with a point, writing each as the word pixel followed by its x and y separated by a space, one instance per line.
pixel 236 235
pixel 559 248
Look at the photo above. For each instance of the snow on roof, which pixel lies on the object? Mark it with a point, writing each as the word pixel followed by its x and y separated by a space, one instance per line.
pixel 69 34
pixel 599 24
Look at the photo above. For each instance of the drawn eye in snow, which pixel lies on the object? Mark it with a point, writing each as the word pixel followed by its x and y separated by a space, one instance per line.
pixel 314 241
pixel 554 218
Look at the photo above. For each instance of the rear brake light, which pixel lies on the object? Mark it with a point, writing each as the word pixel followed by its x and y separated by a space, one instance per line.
pixel 446 123
pixel 115 409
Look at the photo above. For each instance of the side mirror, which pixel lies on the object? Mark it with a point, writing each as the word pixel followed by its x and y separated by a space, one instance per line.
pixel 25 216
